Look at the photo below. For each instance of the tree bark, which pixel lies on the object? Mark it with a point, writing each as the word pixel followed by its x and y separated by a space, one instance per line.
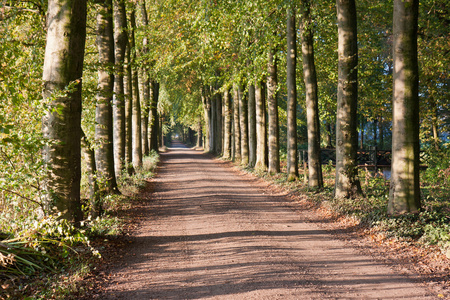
pixel 91 170
pixel 243 122
pixel 347 183
pixel 104 153
pixel 153 115
pixel 404 194
pixel 61 124
pixel 227 125
pixel 136 130
pixel 144 87
pixel 272 103
pixel 315 179
pixel 291 82
pixel 251 125
pixel 261 134
pixel 218 124
pixel 206 100
pixel 128 90
pixel 237 127
pixel 120 44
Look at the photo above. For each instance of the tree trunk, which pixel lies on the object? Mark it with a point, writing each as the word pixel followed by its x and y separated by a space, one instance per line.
pixel 218 124
pixel 272 103
pixel 291 61
pixel 104 153
pixel 136 130
pixel 63 68
pixel 91 170
pixel 144 81
pixel 153 115
pixel 347 182
pixel 243 121
pixel 251 125
pixel 227 125
pixel 404 194
pixel 199 133
pixel 315 179
pixel 128 90
pixel 261 136
pixel 237 127
pixel 206 100
pixel 120 44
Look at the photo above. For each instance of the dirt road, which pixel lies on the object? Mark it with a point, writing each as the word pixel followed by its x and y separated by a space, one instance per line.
pixel 214 234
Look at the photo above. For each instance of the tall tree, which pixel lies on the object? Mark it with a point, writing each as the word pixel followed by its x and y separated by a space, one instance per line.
pixel 144 82
pixel 153 115
pixel 243 121
pixel 291 81
pixel 227 124
pixel 272 103
pixel 252 139
pixel 136 130
pixel 312 102
pixel 63 68
pixel 404 195
pixel 237 126
pixel 104 155
pixel 120 43
pixel 261 134
pixel 347 183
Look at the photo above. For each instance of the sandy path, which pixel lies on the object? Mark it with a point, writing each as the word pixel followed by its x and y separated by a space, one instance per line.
pixel 213 234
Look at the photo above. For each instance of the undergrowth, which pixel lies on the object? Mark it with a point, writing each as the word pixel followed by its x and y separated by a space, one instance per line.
pixel 47 257
pixel 431 226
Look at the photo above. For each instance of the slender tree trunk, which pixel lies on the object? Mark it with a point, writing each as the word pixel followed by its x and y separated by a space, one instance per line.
pixel 227 125
pixel 136 130
pixel 199 133
pixel 153 115
pixel 206 100
pixel 404 195
pixel 243 121
pixel 120 43
pixel 261 134
pixel 252 139
pixel 66 22
pixel 91 170
pixel 128 89
pixel 218 123
pixel 144 81
pixel 291 82
pixel 347 182
pixel 104 153
pixel 272 103
pixel 237 127
pixel 315 179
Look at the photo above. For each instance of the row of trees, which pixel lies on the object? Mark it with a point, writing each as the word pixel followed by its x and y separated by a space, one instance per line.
pixel 227 70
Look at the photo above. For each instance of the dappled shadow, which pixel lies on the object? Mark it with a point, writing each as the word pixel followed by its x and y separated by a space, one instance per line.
pixel 211 233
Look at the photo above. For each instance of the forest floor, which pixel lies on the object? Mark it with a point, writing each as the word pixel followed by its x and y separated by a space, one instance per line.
pixel 205 230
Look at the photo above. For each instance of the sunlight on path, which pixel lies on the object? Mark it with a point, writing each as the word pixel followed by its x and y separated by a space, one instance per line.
pixel 213 234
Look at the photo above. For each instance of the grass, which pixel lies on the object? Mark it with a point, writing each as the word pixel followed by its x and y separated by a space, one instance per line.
pixel 47 258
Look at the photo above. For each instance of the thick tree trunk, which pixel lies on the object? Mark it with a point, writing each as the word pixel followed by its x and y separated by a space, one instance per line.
pixel 104 153
pixel 312 103
pixel 261 134
pixel 120 44
pixel 404 195
pixel 153 115
pixel 243 122
pixel 291 82
pixel 227 125
pixel 199 133
pixel 272 103
pixel 63 68
pixel 136 130
pixel 237 127
pixel 347 183
pixel 218 124
pixel 251 125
